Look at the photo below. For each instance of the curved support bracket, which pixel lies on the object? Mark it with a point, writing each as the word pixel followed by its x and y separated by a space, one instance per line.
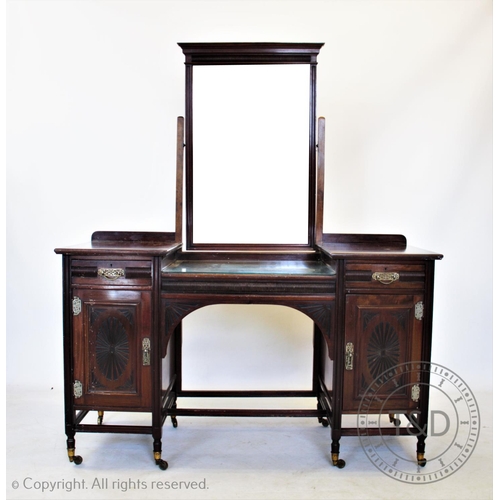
pixel 320 311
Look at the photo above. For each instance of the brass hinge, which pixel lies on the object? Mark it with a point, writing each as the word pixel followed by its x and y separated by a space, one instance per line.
pixel 77 389
pixel 415 392
pixel 146 352
pixel 349 356
pixel 419 310
pixel 77 306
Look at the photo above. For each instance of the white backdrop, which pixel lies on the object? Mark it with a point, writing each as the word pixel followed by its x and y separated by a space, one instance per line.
pixel 93 92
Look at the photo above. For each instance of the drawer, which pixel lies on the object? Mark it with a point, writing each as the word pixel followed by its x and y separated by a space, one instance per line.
pixel 386 276
pixel 111 272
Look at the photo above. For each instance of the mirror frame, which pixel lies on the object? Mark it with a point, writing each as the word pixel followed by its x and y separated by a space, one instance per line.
pixel 248 54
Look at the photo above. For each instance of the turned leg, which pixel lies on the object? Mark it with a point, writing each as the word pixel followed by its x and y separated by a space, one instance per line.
pixel 157 455
pixel 76 459
pixel 421 460
pixel 420 426
pixel 336 461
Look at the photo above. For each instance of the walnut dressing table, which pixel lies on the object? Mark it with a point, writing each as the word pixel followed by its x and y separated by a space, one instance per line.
pixel 125 294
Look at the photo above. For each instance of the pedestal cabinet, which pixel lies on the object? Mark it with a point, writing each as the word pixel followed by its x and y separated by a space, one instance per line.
pixel 112 346
pixel 383 327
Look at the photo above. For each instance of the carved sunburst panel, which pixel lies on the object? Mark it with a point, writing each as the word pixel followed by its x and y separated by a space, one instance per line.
pixel 383 351
pixel 113 354
pixel 112 348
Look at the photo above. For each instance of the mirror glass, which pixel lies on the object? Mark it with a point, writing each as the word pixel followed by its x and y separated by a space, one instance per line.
pixel 251 154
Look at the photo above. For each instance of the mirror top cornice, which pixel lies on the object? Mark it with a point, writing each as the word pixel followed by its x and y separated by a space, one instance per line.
pixel 250 52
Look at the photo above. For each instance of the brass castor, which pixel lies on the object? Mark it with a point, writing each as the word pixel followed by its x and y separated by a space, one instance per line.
pixel 162 464
pixel 337 462
pixel 173 418
pixel 421 461
pixel 76 459
pixel 323 421
pixel 394 420
pixel 100 416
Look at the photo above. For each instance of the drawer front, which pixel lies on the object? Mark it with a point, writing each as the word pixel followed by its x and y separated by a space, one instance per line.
pixel 111 272
pixel 384 276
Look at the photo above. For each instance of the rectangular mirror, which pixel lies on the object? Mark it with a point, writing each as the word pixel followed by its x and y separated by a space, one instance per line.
pixel 250 145
pixel 250 154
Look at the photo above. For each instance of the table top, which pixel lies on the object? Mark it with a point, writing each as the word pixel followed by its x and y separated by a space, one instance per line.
pixel 250 267
pixel 124 244
pixel 336 246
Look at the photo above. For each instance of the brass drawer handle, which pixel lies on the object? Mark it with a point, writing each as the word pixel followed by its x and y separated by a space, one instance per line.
pixel 111 273
pixel 385 278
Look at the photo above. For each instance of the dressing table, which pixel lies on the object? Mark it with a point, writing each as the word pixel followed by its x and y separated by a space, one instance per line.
pixel 125 294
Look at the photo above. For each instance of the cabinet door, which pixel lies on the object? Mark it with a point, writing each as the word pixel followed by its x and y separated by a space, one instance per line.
pixel 382 332
pixel 111 349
